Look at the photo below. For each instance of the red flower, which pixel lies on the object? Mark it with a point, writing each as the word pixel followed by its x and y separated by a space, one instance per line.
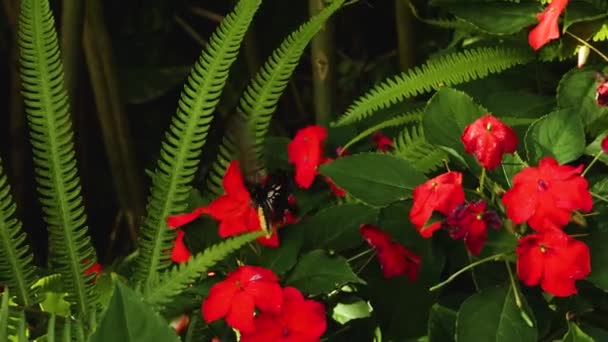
pixel 601 95
pixel 234 210
pixel 179 252
pixel 488 139
pixel 180 323
pixel 300 320
pixel 442 193
pixel 336 190
pixel 96 269
pixel 469 222
pixel 547 28
pixel 544 196
pixel 395 259
pixel 383 143
pixel 306 152
pixel 553 259
pixel 239 294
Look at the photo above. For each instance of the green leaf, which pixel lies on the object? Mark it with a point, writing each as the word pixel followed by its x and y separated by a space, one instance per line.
pixel 579 11
pixel 595 147
pixel 442 324
pixel 559 134
pixel 497 17
pixel 447 114
pixel 492 315
pixel 577 89
pixel 376 179
pixel 127 319
pixel 345 312
pixel 321 230
pixel 318 272
pixel 281 259
pixel 575 334
pixel 597 242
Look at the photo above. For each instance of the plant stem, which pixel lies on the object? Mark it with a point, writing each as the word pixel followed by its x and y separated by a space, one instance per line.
pixel 482 180
pixel 595 159
pixel 591 47
pixel 495 257
pixel 323 66
pixel 355 257
pixel 602 198
pixel 405 34
pixel 516 294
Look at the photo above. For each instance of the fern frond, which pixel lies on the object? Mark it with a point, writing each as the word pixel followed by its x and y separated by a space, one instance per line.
pixel 259 101
pixel 399 120
pixel 181 149
pixel 446 70
pixel 17 270
pixel 412 146
pixel 51 136
pixel 173 282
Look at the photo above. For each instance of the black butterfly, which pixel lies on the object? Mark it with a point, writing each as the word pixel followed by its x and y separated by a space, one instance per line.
pixel 269 191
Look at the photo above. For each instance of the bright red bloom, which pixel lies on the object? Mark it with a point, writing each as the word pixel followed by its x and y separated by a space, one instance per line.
pixel 300 320
pixel 442 193
pixel 601 95
pixel 544 196
pixel 553 259
pixel 395 260
pixel 96 269
pixel 383 143
pixel 336 190
pixel 469 222
pixel 236 297
pixel 306 152
pixel 488 139
pixel 547 28
pixel 179 252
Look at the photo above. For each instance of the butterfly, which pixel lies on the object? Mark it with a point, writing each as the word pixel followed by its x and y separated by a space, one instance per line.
pixel 269 191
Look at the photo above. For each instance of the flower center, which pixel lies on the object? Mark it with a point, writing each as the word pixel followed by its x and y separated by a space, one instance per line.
pixel 285 332
pixel 543 249
pixel 489 127
pixel 542 185
pixel 479 216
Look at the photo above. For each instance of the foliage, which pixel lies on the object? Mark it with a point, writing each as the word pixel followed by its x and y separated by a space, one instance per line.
pixel 375 239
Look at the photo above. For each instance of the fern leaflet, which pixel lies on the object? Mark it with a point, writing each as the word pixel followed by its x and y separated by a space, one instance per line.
pixel 17 270
pixel 412 146
pixel 259 101
pixel 51 135
pixel 180 152
pixel 174 281
pixel 445 70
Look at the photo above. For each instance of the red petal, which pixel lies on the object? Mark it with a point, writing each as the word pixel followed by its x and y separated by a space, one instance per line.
pixel 233 182
pixel 267 295
pixel 180 252
pixel 304 318
pixel 530 260
pixel 267 328
pixel 247 274
pixel 374 236
pixel 241 313
pixel 476 236
pixel 305 151
pixel 218 302
pixel 179 220
pixel 547 29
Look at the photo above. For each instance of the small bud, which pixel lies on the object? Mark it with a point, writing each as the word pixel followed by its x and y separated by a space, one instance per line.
pixel 583 54
pixel 605 144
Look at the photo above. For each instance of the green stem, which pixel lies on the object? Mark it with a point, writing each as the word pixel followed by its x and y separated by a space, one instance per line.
pixel 495 257
pixel 591 47
pixel 519 160
pixel 482 180
pixel 516 294
pixel 602 198
pixel 323 65
pixel 355 257
pixel 595 159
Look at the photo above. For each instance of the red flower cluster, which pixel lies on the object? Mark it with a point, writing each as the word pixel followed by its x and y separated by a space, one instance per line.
pixel 284 314
pixel 395 260
pixel 234 210
pixel 553 259
pixel 547 28
pixel 469 222
pixel 544 196
pixel 300 320
pixel 488 139
pixel 305 151
pixel 443 194
pixel 95 269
